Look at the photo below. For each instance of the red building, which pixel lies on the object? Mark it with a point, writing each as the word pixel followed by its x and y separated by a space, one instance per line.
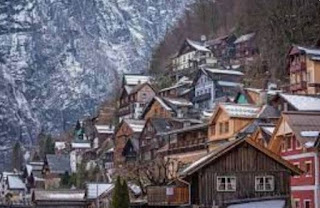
pixel 296 138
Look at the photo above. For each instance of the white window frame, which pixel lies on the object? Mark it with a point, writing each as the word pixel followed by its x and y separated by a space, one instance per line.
pixel 226 184
pixel 296 164
pixel 264 183
pixel 304 202
pixel 297 200
pixel 311 170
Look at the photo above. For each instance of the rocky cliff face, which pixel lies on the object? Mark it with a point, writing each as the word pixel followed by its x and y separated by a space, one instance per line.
pixel 60 58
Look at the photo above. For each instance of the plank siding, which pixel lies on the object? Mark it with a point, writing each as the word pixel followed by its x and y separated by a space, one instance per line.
pixel 245 163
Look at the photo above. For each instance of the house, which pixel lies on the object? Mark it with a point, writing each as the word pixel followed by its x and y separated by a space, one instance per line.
pixel 255 96
pixel 235 173
pixel 103 133
pixel 263 133
pixel 33 175
pixel 191 55
pixel 94 192
pixel 211 84
pixel 304 69
pixel 246 47
pixel 167 107
pixel 55 166
pixel 292 102
pixel 13 189
pixel 152 136
pixel 133 100
pixel 296 139
pixel 228 120
pixel 78 149
pixel 223 48
pixel 187 144
pixel 70 198
pixel 126 130
pixel 181 88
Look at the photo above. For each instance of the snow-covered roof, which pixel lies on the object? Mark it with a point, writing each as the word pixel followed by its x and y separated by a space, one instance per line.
pixel 178 101
pixel 310 51
pixel 105 129
pixel 60 145
pixel 261 204
pixel 135 189
pixel 163 104
pixel 302 103
pixel 310 133
pixel 197 46
pixel 95 190
pixel 136 125
pixel 268 130
pixel 229 84
pixel 223 71
pixel 181 82
pixel 15 182
pixel 59 195
pixel 81 145
pixel 241 110
pixel 134 79
pixel 244 38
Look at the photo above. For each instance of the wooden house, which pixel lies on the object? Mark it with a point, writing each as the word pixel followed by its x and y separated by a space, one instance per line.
pixel 103 133
pixel 127 129
pixel 255 96
pixel 296 139
pixel 190 55
pixel 152 137
pixel 304 69
pixel 186 144
pixel 223 48
pixel 291 102
pixel 228 120
pixel 133 100
pixel 246 47
pixel 55 166
pixel 239 172
pixel 59 198
pixel 211 84
pixel 167 107
pixel 263 133
pixel 181 88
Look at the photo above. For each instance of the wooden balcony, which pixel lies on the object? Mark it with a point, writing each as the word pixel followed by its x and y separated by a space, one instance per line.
pixel 168 195
pixel 298 86
pixel 298 67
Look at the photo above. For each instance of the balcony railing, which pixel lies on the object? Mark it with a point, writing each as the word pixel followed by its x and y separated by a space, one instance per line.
pixel 168 195
pixel 298 86
pixel 297 67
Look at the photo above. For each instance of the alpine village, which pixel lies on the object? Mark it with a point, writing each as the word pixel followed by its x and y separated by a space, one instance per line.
pixel 207 140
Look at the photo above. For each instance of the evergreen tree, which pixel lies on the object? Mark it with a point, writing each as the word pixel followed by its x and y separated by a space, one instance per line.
pixel 65 180
pixel 49 145
pixel 17 156
pixel 125 195
pixel 116 201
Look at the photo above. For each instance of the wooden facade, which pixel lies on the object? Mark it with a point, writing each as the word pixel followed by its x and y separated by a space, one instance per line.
pixel 236 173
pixel 224 126
pixel 157 109
pixel 304 69
pixel 172 196
pixel 245 47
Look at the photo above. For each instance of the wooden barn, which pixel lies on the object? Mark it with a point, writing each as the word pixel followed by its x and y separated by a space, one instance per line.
pixel 235 173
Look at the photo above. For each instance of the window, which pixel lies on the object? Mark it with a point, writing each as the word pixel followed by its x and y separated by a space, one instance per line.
pixel 226 183
pixel 297 165
pixel 297 203
pixel 213 129
pixel 221 128
pixel 307 203
pixel 226 127
pixel 264 183
pixel 288 142
pixel 308 168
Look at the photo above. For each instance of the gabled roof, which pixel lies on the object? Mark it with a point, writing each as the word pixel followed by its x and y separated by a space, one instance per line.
pixel 94 190
pixel 58 163
pixel 305 126
pixel 226 147
pixel 138 87
pixel 306 50
pixel 135 79
pixel 135 125
pixel 197 45
pixel 268 111
pixel 183 82
pixel 302 102
pixel 244 38
pixel 239 110
pixel 161 125
pixel 104 129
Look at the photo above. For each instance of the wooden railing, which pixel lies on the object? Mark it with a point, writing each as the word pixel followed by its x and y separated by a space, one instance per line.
pixel 168 195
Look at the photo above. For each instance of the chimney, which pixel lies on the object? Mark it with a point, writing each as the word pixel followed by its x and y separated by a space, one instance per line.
pixel 203 38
